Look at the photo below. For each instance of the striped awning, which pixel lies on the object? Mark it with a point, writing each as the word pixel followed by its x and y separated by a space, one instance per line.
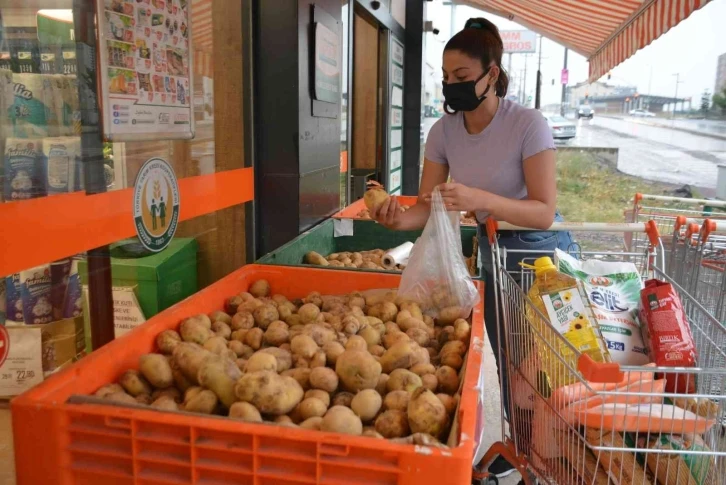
pixel 607 32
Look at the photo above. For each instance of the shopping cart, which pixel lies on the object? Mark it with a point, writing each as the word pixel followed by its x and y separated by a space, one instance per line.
pixel 542 435
pixel 664 211
pixel 684 247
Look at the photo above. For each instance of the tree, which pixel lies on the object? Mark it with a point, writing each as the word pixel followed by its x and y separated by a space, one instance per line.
pixel 719 99
pixel 705 101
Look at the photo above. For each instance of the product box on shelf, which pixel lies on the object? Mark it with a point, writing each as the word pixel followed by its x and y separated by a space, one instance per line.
pixel 85 442
pixel 162 279
pixel 335 236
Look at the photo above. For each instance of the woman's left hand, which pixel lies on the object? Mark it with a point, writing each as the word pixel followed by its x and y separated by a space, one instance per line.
pixel 459 197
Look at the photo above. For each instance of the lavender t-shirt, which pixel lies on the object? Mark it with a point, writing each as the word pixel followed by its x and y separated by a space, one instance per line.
pixel 491 160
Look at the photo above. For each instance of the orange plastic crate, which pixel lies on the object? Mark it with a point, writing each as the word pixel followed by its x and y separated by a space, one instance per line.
pixel 57 442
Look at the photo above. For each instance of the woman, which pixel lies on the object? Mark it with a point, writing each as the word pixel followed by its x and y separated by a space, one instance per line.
pixel 500 157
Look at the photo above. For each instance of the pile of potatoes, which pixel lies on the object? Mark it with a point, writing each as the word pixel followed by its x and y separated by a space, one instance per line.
pixel 372 259
pixel 368 365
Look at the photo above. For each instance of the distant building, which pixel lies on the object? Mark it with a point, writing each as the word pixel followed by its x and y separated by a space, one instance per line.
pixel 720 74
pixel 584 92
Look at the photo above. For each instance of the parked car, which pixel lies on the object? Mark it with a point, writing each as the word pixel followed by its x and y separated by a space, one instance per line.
pixel 641 113
pixel 585 111
pixel 562 129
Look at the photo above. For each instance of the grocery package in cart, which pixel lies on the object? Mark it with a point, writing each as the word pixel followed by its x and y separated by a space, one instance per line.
pixel 652 423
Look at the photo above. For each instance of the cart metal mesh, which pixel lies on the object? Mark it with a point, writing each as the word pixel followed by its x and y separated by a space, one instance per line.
pixel 545 433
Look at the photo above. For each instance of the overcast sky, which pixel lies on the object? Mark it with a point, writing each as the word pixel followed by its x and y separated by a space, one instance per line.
pixel 691 49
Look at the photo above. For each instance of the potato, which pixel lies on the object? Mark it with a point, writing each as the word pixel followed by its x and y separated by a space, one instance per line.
pixel 376 350
pixel 144 399
pixel 358 370
pixel 314 423
pixel 315 258
pixel 391 327
pixel 265 315
pixel 260 288
pixel 413 309
pixel 393 337
pixel 216 345
pixel 133 383
pixel 232 304
pixel 261 361
pixel 221 329
pixel 204 401
pixel 449 315
pixel 454 346
pixel 370 335
pixel 382 382
pixel 453 360
pixel 428 320
pixel 315 298
pixel 194 330
pixel 398 356
pixel 410 323
pixel 426 413
pixel 366 404
pixel 250 306
pixel 213 376
pixel 319 395
pixel 430 382
pixel 423 369
pixel 356 342
pixel 343 399
pixel 385 311
pixel 245 411
pixel 355 299
pixel 242 350
pixel 318 359
pixel 372 433
pixel 220 316
pixel 403 380
pixel 448 402
pixel 303 346
pixel 190 358
pixel 283 420
pixel 108 389
pixel 165 403
pixel 396 400
pixel 402 316
pixel 269 392
pixel 167 340
pixel 120 398
pixel 420 439
pixel 171 392
pixel 253 338
pixel 462 330
pixel 324 379
pixel 181 381
pixel 340 419
pixel 302 376
pixel 239 335
pixel 309 313
pixel 448 380
pixel 418 335
pixel 375 197
pixel 312 408
pixel 277 333
pixel 283 357
pixel 242 321
pixel 350 325
pixel 241 364
pixel 393 424
pixel 420 355
pixel 285 312
pixel 293 320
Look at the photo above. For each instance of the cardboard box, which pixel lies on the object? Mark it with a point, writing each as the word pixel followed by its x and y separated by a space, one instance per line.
pixel 161 279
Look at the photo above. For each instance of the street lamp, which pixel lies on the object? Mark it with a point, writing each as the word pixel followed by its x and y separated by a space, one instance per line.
pixel 675 98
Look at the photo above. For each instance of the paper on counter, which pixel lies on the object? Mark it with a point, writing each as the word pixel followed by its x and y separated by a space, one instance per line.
pixel 397 256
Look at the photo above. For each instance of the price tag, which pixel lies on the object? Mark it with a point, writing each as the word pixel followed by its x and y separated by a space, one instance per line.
pixel 21 362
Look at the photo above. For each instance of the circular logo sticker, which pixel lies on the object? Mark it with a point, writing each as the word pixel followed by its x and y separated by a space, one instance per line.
pixel 4 344
pixel 156 204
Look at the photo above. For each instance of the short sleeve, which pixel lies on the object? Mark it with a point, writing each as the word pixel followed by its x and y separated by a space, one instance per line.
pixel 537 136
pixel 436 144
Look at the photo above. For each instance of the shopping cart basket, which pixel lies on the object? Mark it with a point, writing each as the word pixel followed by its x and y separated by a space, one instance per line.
pixel 684 248
pixel 543 437
pixel 664 211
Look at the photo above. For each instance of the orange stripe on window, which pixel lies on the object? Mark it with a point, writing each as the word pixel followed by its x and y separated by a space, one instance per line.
pixel 40 230
pixel 343 161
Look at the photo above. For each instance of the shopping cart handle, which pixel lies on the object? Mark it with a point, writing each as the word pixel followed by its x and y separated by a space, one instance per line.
pixel 598 372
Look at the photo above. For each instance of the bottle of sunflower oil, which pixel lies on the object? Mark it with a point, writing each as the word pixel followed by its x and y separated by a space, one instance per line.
pixel 561 299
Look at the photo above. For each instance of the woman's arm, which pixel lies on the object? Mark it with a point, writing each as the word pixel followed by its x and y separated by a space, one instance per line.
pixel 415 218
pixel 537 211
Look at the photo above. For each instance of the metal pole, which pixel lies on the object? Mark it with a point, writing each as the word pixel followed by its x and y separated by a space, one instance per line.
pixel 675 98
pixel 538 89
pixel 453 18
pixel 509 63
pixel 524 83
pixel 564 89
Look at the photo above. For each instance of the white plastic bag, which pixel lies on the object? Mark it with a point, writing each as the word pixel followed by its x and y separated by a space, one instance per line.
pixel 436 276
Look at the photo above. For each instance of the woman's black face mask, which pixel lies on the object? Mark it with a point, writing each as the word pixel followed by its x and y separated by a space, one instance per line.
pixel 462 96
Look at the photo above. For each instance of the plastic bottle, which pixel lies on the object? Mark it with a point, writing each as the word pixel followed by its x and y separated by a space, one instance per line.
pixel 561 299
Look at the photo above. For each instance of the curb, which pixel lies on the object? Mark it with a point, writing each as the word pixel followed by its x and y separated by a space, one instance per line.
pixel 675 128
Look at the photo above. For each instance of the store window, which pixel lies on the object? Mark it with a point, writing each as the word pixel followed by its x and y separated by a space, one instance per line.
pixel 344 105
pixel 71 260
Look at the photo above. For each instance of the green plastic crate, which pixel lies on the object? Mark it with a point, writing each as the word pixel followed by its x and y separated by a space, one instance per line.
pixel 367 235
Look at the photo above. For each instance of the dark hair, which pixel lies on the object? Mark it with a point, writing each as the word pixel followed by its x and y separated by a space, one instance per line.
pixel 480 39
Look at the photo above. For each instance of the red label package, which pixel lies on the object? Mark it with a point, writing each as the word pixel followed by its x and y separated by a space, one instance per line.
pixel 667 333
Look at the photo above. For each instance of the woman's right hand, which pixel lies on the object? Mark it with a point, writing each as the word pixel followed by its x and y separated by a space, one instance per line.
pixel 388 214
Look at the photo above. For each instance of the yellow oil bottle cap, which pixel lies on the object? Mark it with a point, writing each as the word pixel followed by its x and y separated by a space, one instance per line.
pixel 541 265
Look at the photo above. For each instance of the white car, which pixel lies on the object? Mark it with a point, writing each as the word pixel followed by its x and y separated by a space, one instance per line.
pixel 641 113
pixel 562 129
